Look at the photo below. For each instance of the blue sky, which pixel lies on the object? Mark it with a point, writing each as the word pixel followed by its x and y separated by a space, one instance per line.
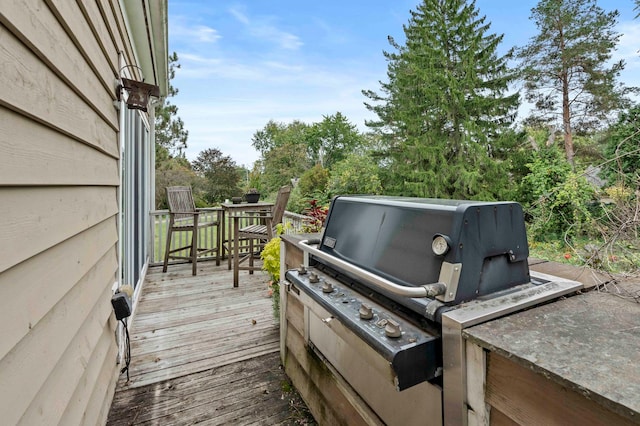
pixel 244 63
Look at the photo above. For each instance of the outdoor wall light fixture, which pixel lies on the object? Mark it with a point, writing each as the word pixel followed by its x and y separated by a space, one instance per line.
pixel 139 91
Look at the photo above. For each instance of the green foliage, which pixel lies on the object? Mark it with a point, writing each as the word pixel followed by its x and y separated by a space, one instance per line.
pixel 269 137
pixel 255 177
pixel 313 181
pixel 557 199
pixel 270 256
pixel 332 139
pixel 170 134
pixel 567 69
pixel 312 185
pixel 172 168
pixel 289 150
pixel 176 172
pixel 623 150
pixel 222 179
pixel 284 153
pixel 297 202
pixel 619 257
pixel 445 106
pixel 356 174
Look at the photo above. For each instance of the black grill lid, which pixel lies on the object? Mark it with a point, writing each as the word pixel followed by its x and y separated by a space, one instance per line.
pixel 392 237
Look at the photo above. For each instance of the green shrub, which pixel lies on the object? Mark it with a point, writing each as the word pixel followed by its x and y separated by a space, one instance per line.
pixel 311 186
pixel 557 199
pixel 313 181
pixel 270 256
pixel 356 174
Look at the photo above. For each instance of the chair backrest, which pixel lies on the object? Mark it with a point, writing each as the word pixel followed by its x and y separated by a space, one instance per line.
pixel 281 204
pixel 180 199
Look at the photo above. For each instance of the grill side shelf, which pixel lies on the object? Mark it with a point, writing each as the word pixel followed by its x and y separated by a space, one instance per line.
pixel 415 356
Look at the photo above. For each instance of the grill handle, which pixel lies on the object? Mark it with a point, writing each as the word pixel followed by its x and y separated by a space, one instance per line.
pixel 426 290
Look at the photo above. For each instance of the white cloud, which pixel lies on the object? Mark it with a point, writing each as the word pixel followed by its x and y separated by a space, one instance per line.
pixel 206 34
pixel 262 29
pixel 629 45
pixel 201 68
pixel 239 15
pixel 181 30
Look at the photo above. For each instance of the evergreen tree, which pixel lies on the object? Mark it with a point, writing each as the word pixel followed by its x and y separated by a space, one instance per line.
pixel 171 136
pixel 172 167
pixel 566 66
pixel 445 107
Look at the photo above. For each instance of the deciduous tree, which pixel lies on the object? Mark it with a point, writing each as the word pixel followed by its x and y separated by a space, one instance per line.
pixel 356 174
pixel 221 174
pixel 332 139
pixel 284 150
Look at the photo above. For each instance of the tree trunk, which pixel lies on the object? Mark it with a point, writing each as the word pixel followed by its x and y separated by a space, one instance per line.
pixel 566 121
pixel 566 111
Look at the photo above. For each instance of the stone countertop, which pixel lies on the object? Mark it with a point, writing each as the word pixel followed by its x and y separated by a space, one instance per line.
pixel 296 238
pixel 589 342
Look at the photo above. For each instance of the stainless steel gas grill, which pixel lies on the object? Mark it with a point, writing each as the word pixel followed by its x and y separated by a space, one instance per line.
pixel 392 283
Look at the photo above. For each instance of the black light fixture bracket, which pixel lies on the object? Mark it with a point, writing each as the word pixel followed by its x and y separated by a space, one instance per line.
pixel 138 91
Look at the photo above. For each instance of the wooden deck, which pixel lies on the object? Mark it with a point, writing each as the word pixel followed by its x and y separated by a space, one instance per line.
pixel 205 352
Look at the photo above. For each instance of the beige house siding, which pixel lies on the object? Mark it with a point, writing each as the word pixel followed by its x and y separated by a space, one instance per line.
pixel 59 204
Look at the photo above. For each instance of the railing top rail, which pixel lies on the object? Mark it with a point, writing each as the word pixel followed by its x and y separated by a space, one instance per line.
pixel 294 215
pixel 205 209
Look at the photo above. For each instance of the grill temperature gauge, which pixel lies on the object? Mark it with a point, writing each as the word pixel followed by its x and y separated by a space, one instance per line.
pixel 440 244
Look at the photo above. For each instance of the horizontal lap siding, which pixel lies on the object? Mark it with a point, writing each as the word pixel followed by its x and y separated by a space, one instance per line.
pixel 35 285
pixel 59 205
pixel 27 146
pixel 43 370
pixel 34 90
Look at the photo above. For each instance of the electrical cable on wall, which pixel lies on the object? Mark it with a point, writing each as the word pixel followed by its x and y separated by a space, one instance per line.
pixel 127 349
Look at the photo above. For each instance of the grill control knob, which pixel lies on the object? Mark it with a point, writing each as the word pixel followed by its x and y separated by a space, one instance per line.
pixel 302 270
pixel 392 329
pixel 313 277
pixel 327 287
pixel 365 311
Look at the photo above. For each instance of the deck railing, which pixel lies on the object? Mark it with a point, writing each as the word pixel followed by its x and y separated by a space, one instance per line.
pixel 207 236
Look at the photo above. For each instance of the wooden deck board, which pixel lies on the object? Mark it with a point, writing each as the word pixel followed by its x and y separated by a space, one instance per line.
pixel 205 352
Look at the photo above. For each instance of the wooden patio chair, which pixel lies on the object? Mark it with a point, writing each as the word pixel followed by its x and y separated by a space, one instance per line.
pixel 265 228
pixel 183 216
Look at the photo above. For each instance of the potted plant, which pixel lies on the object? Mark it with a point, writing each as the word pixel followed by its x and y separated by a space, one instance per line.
pixel 252 195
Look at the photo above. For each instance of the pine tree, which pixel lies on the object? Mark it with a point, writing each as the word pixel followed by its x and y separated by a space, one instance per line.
pixel 566 66
pixel 171 136
pixel 172 167
pixel 445 107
